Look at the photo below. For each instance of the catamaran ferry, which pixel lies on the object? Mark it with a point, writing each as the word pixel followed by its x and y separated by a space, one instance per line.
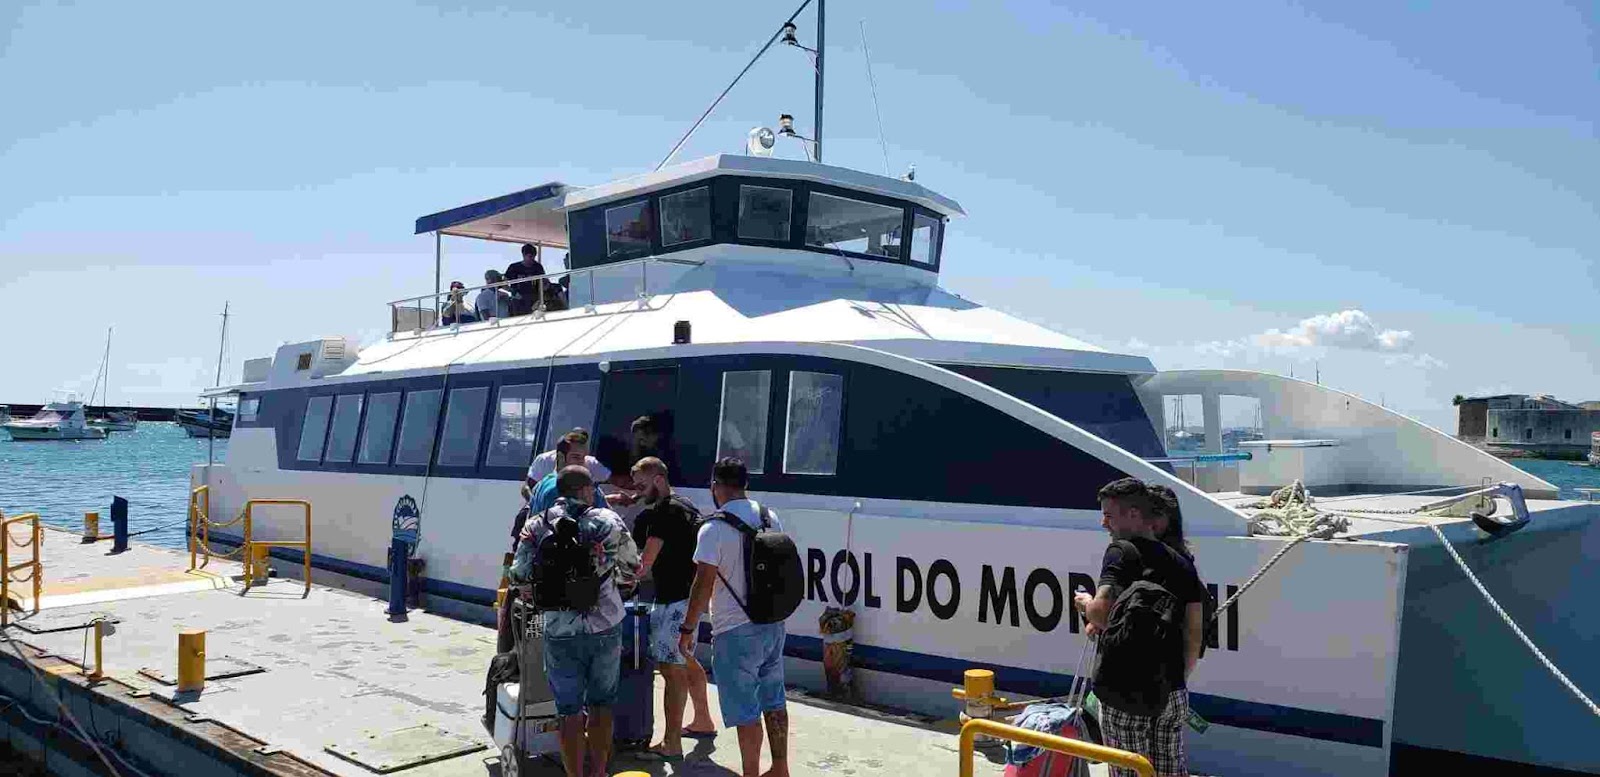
pixel 937 462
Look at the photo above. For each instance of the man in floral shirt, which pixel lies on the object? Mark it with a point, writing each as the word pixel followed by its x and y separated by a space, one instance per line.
pixel 583 647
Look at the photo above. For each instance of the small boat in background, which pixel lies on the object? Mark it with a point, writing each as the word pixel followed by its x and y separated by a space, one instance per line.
pixel 5 414
pixel 1594 449
pixel 117 421
pixel 201 423
pixel 59 420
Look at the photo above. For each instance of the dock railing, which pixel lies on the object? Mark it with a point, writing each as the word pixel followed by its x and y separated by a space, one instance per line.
pixel 425 312
pixel 9 570
pixel 253 552
pixel 1093 752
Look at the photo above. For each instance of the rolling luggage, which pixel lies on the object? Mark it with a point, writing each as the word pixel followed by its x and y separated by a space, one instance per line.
pixel 635 709
pixel 526 727
pixel 1068 720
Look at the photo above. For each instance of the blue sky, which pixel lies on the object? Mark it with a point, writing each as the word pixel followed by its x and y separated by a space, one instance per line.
pixel 1185 181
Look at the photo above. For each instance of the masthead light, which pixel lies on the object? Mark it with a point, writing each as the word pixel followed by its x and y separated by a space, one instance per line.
pixel 761 141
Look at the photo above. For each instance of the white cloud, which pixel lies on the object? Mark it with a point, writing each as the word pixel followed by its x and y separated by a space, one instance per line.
pixel 1349 330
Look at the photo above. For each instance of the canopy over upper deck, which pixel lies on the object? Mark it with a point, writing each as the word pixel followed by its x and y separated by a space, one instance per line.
pixel 530 216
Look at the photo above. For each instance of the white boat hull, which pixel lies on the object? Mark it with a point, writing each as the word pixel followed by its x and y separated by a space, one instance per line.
pixel 28 433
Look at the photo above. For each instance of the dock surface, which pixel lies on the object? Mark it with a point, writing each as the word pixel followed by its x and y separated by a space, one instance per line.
pixel 328 667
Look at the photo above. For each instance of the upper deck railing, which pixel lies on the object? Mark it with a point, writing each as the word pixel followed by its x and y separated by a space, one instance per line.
pixel 442 311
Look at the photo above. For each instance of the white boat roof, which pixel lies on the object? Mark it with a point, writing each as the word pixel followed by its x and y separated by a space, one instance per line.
pixel 539 215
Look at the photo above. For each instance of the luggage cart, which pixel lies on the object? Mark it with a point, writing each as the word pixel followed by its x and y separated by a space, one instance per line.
pixel 526 726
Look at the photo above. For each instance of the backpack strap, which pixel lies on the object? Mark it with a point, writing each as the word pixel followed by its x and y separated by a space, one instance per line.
pixel 747 534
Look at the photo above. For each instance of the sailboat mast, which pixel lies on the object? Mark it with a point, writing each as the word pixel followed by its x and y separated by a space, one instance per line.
pixel 105 390
pixel 211 420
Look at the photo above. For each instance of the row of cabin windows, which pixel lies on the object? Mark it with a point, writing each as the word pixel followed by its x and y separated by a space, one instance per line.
pixel 362 427
pixel 1527 434
pixel 765 214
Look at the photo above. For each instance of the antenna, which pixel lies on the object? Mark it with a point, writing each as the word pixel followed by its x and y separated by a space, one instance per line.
pixel 883 145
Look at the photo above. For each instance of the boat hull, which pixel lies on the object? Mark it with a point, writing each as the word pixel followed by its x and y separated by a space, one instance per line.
pixel 20 433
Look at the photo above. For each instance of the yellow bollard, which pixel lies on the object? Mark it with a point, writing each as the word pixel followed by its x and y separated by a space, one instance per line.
pixel 91 527
pixel 191 659
pixel 633 774
pixel 101 629
pixel 257 565
pixel 980 700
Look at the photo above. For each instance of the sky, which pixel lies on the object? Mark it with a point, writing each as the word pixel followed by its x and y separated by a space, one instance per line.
pixel 1400 197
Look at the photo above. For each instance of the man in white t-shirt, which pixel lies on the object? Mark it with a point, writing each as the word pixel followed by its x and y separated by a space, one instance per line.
pixel 748 657
pixel 545 463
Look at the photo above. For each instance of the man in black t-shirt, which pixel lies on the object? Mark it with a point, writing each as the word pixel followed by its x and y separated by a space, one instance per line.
pixel 524 295
pixel 1135 554
pixel 667 530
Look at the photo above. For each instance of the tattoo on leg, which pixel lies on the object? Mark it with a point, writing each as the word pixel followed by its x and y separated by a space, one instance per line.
pixel 778 733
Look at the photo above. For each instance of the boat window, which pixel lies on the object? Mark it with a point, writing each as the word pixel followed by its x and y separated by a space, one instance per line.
pixel 811 438
pixel 346 420
pixel 925 240
pixel 516 425
pixel 571 406
pixel 742 428
pixel 764 213
pixel 377 434
pixel 314 429
pixel 463 427
pixel 248 409
pixel 686 216
pixel 852 225
pixel 628 230
pixel 417 427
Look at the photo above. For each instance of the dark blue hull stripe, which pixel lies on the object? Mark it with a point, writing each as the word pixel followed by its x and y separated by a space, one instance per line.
pixel 1258 716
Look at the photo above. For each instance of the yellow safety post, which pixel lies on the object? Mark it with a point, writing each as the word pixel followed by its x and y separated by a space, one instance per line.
pixel 191 659
pixel 978 692
pixel 91 526
pixel 1110 755
pixel 255 568
pixel 8 570
pixel 101 629
pixel 199 523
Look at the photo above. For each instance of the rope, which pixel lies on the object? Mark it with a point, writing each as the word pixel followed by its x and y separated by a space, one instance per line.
pixel 1291 508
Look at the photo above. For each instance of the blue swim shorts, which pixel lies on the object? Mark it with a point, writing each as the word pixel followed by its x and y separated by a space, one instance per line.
pixel 583 669
pixel 748 663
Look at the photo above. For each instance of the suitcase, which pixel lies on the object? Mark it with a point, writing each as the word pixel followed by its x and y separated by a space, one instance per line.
pixel 635 710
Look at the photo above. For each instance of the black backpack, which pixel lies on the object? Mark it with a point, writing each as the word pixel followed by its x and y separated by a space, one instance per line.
pixel 1143 636
pixel 565 578
pixel 774 579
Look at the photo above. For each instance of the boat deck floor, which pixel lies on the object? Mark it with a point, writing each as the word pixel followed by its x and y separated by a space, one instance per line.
pixel 330 668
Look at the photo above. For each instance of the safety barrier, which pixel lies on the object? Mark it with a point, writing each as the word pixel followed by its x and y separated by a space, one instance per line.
pixel 1110 755
pixel 253 552
pixel 8 570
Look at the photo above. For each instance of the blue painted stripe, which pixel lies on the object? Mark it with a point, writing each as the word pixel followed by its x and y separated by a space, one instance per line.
pixel 1238 713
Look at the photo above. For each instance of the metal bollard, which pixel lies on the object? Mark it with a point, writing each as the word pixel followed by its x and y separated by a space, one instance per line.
pixel 91 526
pixel 119 524
pixel 191 659
pixel 399 553
pixel 257 568
pixel 102 629
pixel 980 700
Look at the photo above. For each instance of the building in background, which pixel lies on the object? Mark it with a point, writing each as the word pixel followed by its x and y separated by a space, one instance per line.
pixel 1517 425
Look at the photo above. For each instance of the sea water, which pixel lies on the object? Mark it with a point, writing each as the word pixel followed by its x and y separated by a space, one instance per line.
pixel 61 480
pixel 149 466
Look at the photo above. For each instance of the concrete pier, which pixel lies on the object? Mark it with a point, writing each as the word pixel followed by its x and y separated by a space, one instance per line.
pixel 293 676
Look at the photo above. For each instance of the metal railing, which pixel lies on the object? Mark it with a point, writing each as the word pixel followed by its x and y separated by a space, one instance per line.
pixel 253 552
pixel 426 311
pixel 1110 755
pixel 8 570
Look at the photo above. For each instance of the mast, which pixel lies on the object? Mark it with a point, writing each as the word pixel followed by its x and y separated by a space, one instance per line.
pixel 211 419
pixel 821 47
pixel 105 390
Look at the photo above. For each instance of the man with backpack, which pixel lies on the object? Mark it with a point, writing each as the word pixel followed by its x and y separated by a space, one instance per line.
pixel 666 531
pixel 1147 614
pixel 754 570
pixel 578 560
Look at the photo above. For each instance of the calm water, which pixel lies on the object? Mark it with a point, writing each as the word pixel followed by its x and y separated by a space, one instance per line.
pixel 62 480
pixel 150 468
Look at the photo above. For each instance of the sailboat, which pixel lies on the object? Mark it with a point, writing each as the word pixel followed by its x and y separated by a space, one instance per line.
pixel 111 420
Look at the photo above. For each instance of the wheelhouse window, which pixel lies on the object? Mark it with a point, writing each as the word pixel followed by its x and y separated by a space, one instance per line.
pixel 925 240
pixel 314 429
pixel 742 428
pixel 811 436
pixel 417 427
pixel 463 427
pixel 686 216
pixel 764 213
pixel 516 425
pixel 248 410
pixel 346 421
pixel 852 225
pixel 572 405
pixel 377 434
pixel 628 230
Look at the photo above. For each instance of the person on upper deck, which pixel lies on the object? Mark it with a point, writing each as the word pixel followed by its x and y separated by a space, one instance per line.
pixel 492 303
pixel 457 311
pixel 1148 614
pixel 524 295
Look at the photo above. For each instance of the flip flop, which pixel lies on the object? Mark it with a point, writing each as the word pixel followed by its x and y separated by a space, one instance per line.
pixel 712 734
pixel 651 752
